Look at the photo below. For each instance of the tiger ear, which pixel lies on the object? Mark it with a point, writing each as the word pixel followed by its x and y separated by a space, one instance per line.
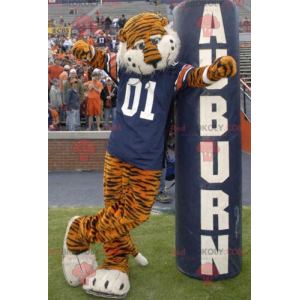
pixel 164 21
pixel 121 35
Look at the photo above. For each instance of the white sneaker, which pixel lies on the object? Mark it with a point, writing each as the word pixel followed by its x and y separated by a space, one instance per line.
pixel 163 197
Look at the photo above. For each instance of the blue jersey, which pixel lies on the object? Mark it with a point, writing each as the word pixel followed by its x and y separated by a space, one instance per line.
pixel 101 40
pixel 143 104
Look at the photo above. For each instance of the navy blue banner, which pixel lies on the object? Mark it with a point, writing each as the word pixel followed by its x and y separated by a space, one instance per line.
pixel 208 151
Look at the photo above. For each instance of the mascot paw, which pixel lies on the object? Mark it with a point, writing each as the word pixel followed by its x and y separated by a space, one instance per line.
pixel 83 50
pixel 141 260
pixel 222 67
pixel 77 267
pixel 107 284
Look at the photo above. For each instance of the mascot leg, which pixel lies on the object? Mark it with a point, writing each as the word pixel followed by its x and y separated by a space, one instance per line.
pixel 73 264
pixel 111 226
pixel 115 187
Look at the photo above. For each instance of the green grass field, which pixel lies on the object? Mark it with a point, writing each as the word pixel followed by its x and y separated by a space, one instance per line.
pixel 161 279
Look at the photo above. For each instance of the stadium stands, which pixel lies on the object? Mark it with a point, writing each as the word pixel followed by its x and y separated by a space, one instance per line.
pixel 115 8
pixel 243 12
pixel 111 7
pixel 245 62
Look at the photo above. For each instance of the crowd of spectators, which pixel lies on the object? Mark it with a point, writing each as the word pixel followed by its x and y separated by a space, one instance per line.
pixel 109 23
pixel 245 24
pixel 112 24
pixel 246 21
pixel 78 95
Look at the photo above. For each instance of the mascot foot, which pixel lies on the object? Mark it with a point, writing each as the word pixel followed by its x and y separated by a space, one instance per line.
pixel 77 267
pixel 141 260
pixel 112 284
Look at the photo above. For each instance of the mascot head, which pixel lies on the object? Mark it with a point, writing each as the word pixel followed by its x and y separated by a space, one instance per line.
pixel 147 44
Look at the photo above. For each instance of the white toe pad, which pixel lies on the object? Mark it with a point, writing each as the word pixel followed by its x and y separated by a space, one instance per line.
pixel 108 284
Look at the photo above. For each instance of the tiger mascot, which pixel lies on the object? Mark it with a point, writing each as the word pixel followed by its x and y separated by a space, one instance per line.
pixel 148 77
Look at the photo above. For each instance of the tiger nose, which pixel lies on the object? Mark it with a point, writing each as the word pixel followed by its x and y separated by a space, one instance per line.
pixel 154 62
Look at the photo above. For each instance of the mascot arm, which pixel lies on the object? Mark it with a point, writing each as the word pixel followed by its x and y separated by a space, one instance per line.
pixel 93 57
pixel 222 67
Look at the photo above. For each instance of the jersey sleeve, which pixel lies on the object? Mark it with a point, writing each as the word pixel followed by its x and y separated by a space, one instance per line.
pixel 112 66
pixel 182 72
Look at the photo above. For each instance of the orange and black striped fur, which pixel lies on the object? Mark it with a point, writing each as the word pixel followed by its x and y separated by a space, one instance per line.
pixel 147 44
pixel 95 58
pixel 221 68
pixel 129 194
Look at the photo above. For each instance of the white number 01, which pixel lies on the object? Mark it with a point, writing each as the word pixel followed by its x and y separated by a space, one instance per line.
pixel 146 113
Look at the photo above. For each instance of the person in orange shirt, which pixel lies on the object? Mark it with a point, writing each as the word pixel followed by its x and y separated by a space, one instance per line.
pixel 69 55
pixel 54 48
pixel 60 54
pixel 94 101
pixel 55 70
pixel 78 62
pixel 90 41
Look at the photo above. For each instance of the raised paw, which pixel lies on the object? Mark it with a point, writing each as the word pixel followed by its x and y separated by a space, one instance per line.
pixel 107 284
pixel 83 50
pixel 222 67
